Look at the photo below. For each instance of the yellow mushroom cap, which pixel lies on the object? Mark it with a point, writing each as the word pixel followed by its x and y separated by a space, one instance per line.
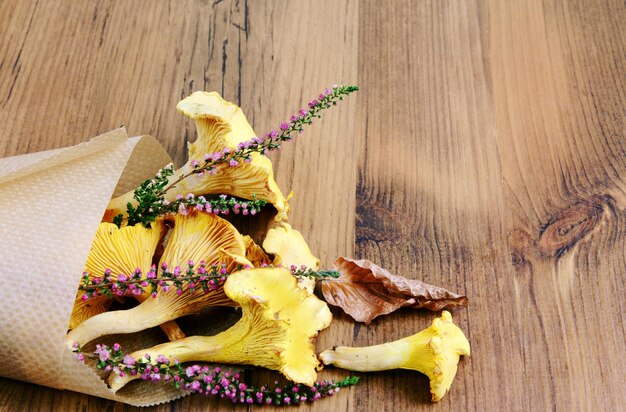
pixel 285 318
pixel 201 236
pixel 289 248
pixel 440 357
pixel 221 124
pixel 121 250
pixel 255 253
pixel 198 237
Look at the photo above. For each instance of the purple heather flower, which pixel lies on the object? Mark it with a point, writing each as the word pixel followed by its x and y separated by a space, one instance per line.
pixel 102 352
pixel 162 359
pixel 284 126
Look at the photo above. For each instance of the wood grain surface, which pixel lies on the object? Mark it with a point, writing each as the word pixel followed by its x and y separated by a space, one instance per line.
pixel 485 153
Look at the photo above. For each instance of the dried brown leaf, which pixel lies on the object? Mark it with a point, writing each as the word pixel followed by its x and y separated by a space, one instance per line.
pixel 365 290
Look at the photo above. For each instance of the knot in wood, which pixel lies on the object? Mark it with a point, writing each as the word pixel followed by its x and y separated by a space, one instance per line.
pixel 567 228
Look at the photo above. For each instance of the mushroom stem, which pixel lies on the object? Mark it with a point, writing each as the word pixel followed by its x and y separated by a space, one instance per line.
pixel 150 313
pixel 123 321
pixel 371 358
pixel 226 347
pixel 435 352
pixel 199 348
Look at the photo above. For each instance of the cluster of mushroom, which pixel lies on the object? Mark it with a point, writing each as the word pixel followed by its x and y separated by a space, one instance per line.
pixel 281 316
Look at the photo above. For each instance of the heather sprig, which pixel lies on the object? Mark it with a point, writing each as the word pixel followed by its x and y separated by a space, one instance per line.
pixel 196 278
pixel 149 199
pixel 202 278
pixel 223 204
pixel 207 381
pixel 303 271
pixel 272 139
pixel 150 194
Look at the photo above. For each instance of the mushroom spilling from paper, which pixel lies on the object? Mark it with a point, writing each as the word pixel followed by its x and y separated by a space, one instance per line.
pixel 174 245
pixel 119 253
pixel 279 321
pixel 198 237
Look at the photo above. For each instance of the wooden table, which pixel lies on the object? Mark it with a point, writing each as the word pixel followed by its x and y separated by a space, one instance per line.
pixel 485 153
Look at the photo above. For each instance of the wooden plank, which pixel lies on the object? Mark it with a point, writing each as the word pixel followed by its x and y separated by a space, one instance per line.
pixel 428 198
pixel 514 171
pixel 559 90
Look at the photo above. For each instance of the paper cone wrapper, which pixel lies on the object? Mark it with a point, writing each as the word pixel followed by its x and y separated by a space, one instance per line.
pixel 51 204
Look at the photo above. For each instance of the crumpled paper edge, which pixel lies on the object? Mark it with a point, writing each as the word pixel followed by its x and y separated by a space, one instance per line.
pixel 31 348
